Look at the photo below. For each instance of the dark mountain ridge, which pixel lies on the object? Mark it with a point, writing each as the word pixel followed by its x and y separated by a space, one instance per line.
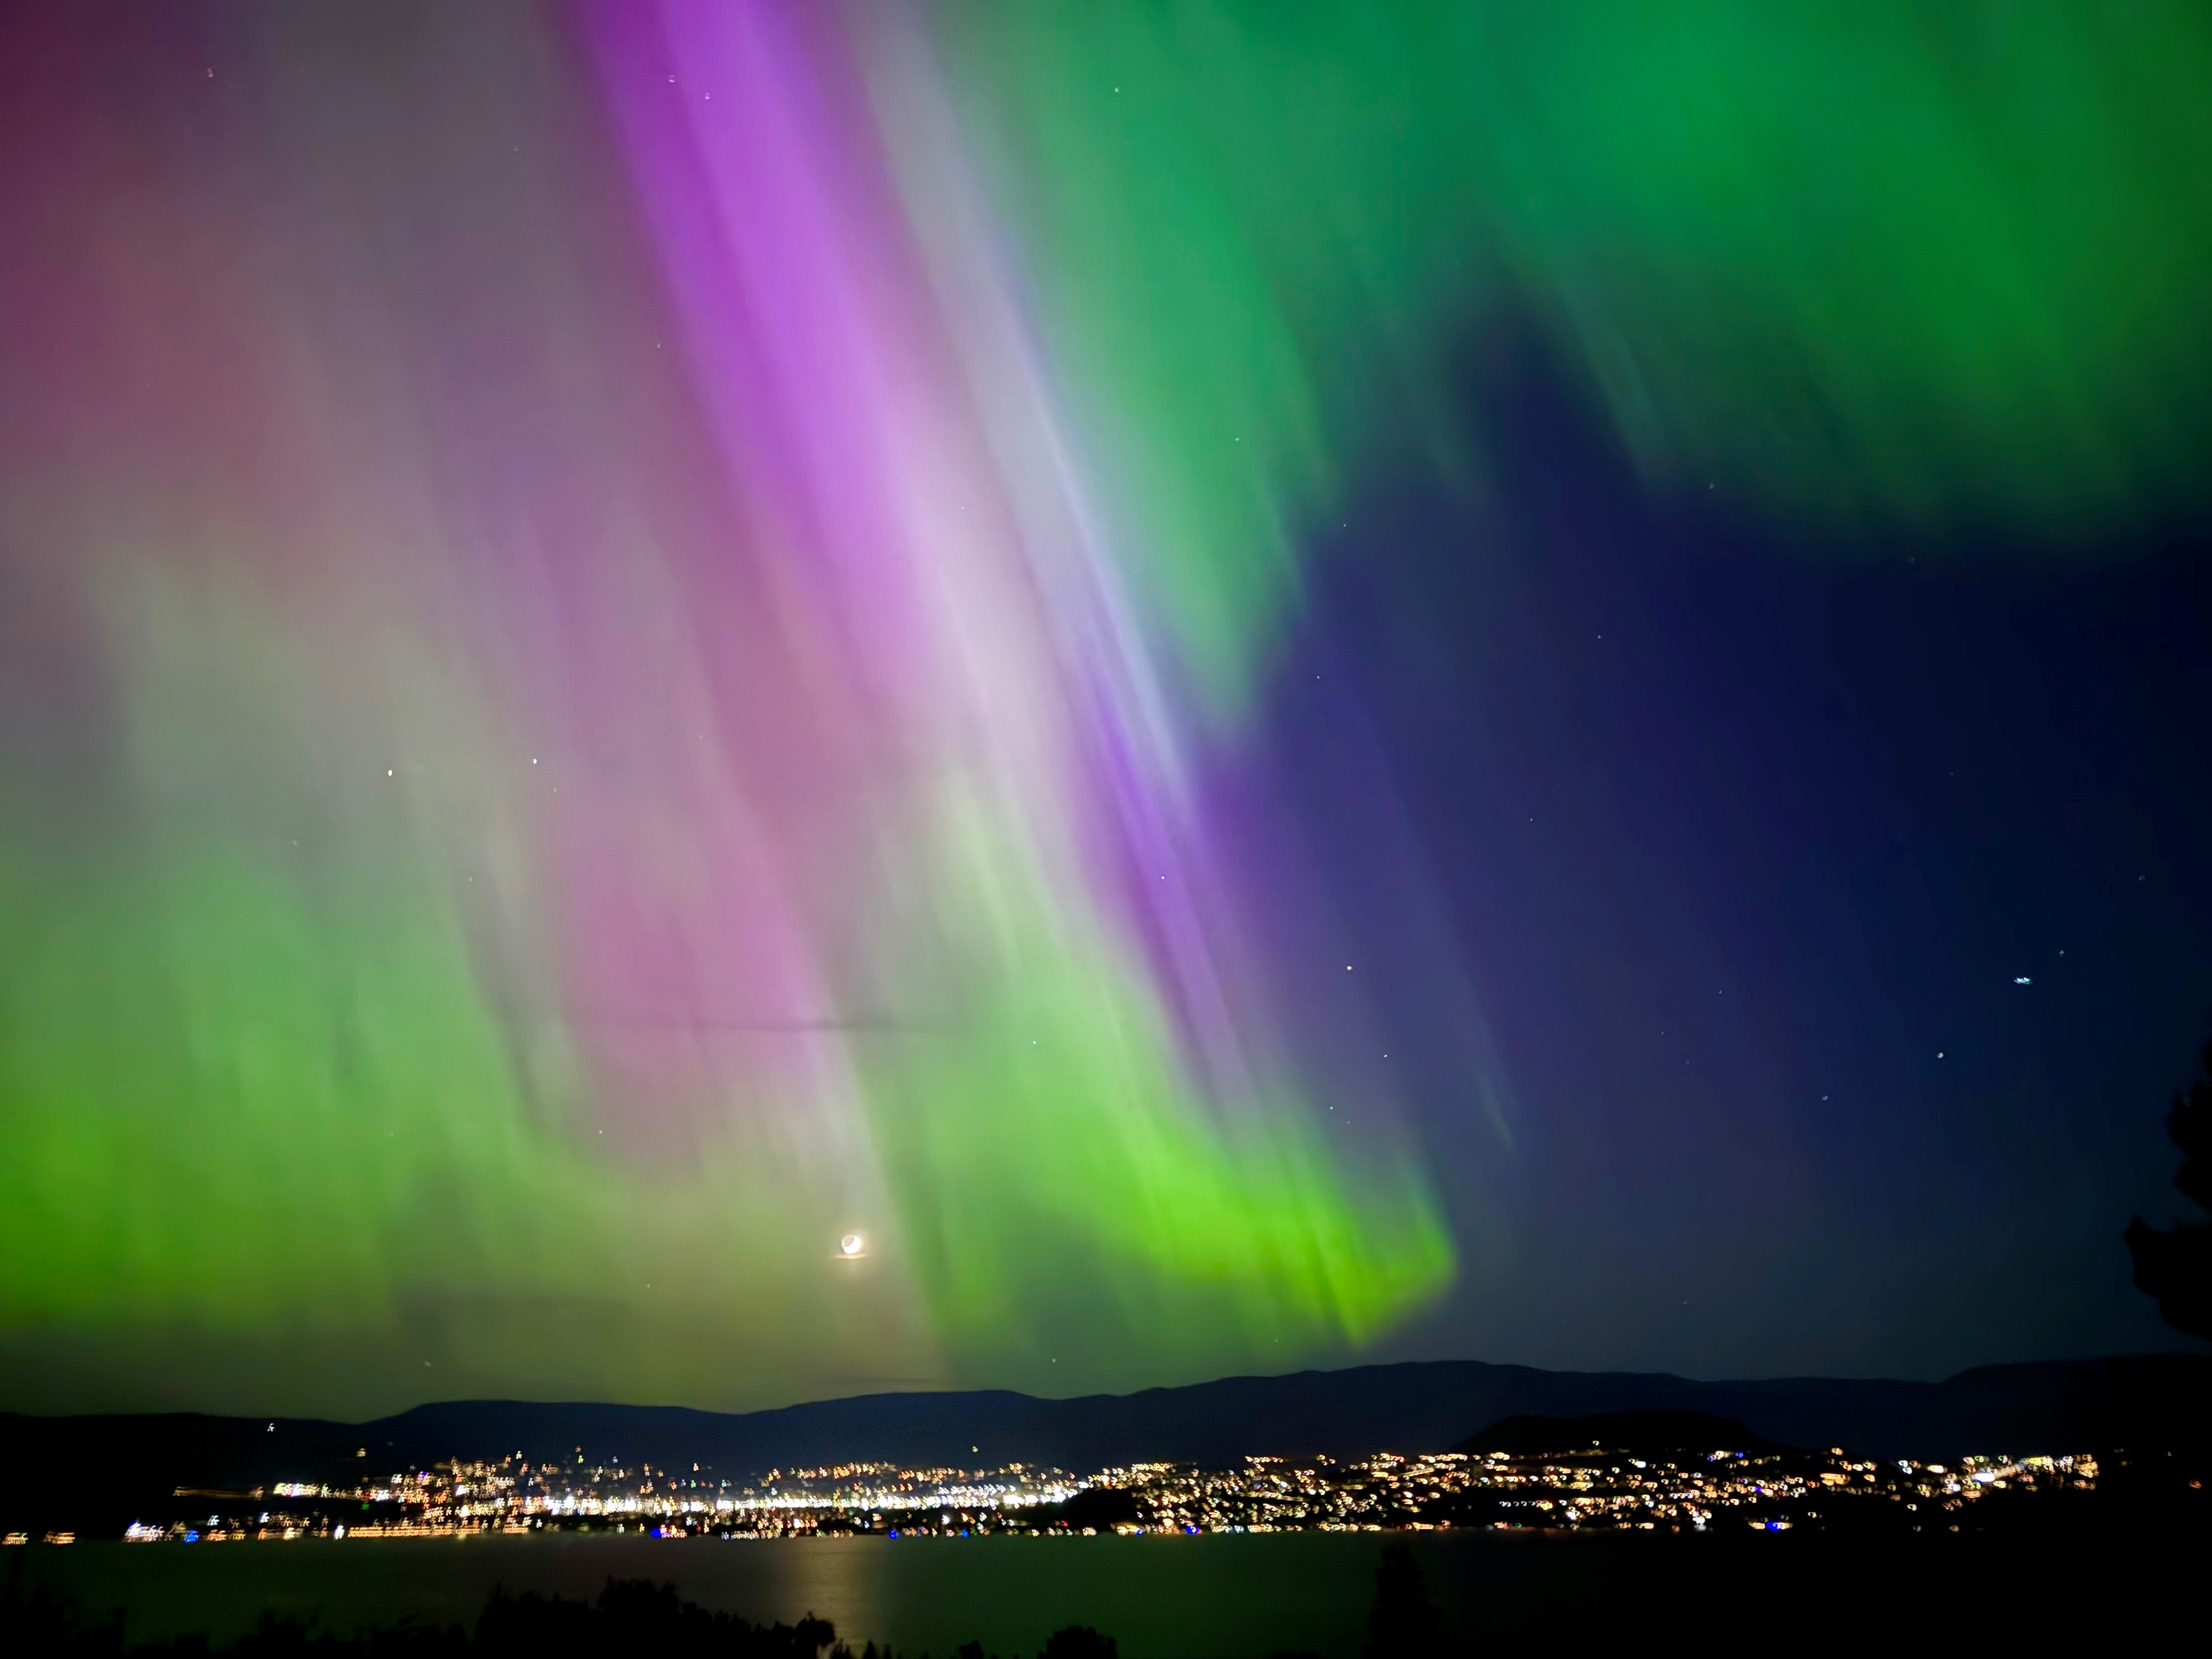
pixel 2061 1406
pixel 1635 1432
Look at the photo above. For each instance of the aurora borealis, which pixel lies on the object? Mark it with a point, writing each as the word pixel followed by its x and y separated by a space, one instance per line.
pixel 636 637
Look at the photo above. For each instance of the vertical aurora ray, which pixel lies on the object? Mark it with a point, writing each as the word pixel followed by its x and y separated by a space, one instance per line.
pixel 631 635
pixel 1050 1154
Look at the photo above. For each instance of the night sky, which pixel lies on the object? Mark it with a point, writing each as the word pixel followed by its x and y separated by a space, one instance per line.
pixel 1748 835
pixel 1248 687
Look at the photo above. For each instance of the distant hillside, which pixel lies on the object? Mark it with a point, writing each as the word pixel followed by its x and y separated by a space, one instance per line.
pixel 1653 1432
pixel 2146 1401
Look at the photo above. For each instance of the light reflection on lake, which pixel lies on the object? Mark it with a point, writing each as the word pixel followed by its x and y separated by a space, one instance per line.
pixel 1209 1597
pixel 1168 1597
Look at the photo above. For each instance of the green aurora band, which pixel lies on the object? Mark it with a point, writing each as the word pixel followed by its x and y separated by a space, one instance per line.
pixel 1924 263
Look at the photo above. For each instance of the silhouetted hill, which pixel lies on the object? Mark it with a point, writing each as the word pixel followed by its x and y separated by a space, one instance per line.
pixel 2152 1401
pixel 1641 1432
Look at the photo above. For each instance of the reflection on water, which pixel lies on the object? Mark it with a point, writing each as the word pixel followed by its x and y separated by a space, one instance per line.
pixel 1222 1596
pixel 1209 1597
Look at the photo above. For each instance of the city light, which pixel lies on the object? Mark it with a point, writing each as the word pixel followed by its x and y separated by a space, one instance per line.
pixel 1770 1489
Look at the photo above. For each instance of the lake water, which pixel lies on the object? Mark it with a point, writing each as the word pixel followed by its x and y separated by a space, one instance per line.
pixel 1210 1598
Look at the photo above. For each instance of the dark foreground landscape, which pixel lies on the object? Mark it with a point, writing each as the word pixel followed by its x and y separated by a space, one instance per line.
pixel 1156 1598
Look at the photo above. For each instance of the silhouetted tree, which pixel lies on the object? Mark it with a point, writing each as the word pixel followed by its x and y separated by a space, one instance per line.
pixel 637 1615
pixel 1077 1641
pixel 38 1619
pixel 1403 1624
pixel 2175 1266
